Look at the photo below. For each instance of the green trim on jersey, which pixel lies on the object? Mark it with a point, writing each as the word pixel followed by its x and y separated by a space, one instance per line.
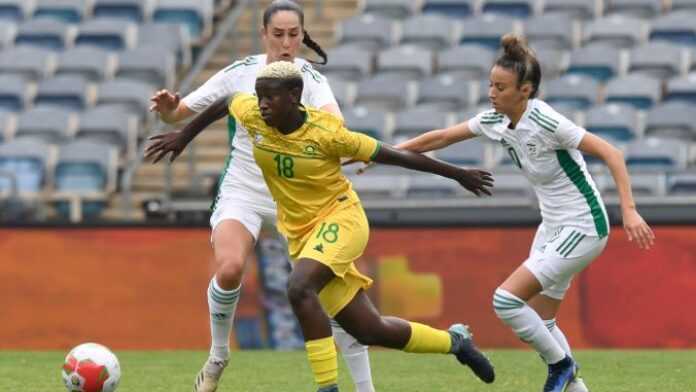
pixel 377 148
pixel 492 118
pixel 231 130
pixel 314 74
pixel 249 60
pixel 576 175
pixel 543 120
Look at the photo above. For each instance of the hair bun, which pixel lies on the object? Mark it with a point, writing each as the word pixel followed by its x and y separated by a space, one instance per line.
pixel 514 47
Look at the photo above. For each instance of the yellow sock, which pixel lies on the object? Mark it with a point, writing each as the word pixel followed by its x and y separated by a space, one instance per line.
pixel 425 339
pixel 322 359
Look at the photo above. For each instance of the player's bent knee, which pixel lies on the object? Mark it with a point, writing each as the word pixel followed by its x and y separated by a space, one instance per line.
pixel 506 304
pixel 230 271
pixel 299 291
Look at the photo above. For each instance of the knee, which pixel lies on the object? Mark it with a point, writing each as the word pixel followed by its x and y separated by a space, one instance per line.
pixel 298 290
pixel 506 304
pixel 230 271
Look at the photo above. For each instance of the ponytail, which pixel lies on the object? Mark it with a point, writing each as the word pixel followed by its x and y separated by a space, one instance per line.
pixel 307 40
pixel 518 57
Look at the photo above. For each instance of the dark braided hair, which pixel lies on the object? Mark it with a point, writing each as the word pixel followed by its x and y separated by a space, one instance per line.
pixel 518 57
pixel 289 5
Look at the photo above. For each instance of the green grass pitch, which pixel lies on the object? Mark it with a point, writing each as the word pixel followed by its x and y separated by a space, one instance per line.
pixel 517 371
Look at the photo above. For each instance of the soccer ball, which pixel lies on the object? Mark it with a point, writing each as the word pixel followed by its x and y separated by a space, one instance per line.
pixel 91 367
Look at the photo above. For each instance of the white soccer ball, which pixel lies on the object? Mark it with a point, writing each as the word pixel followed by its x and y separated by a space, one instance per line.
pixel 91 367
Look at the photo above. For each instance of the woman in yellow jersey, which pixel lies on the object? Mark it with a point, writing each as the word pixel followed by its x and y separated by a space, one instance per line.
pixel 299 150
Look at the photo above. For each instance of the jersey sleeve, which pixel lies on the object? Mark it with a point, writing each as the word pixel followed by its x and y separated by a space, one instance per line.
pixel 320 93
pixel 220 85
pixel 354 145
pixel 482 124
pixel 240 105
pixel 568 135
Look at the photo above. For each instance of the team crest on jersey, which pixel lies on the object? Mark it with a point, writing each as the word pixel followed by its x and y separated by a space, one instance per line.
pixel 504 143
pixel 532 148
pixel 310 149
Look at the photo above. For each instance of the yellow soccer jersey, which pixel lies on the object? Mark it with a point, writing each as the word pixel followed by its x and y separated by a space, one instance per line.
pixel 303 169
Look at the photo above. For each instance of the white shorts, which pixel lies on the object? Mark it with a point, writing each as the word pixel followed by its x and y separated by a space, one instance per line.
pixel 557 255
pixel 245 211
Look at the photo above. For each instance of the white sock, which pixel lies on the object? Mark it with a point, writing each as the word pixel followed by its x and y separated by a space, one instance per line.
pixel 558 335
pixel 356 357
pixel 527 324
pixel 222 304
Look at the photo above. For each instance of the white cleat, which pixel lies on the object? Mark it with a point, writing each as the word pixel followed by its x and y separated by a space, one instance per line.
pixel 577 385
pixel 209 376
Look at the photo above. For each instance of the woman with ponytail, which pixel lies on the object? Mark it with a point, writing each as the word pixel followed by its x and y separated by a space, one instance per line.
pixel 243 202
pixel 548 149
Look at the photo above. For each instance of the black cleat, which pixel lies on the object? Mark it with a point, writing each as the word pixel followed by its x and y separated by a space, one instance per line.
pixel 468 354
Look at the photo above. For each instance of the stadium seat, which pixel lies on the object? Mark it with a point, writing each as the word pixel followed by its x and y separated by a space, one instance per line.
pixel 487 30
pixel 109 34
pixel 639 90
pixel 29 62
pixel 551 31
pixel 70 11
pixel 652 154
pixel 682 183
pixel 578 91
pixel 414 121
pixel 643 183
pixel 466 61
pixel 45 33
pixel 169 36
pixel 616 30
pixel 349 62
pixel 86 170
pixel 8 121
pixel 677 27
pixel 196 15
pixel 68 92
pixel 370 32
pixel 671 120
pixel 471 152
pixel 405 62
pixel 28 160
pixel 133 10
pixel 51 124
pixel 343 91
pixel 131 94
pixel 553 62
pixel 683 4
pixel 452 8
pixel 582 9
pixel 598 61
pixel 385 92
pixel 7 34
pixel 376 123
pixel 660 60
pixel 512 8
pixel 637 8
pixel 510 183
pixel 15 10
pixel 445 93
pixel 153 65
pixel 381 182
pixel 615 122
pixel 428 186
pixel 396 9
pixel 92 63
pixel 681 89
pixel 430 31
pixel 15 92
pixel 111 125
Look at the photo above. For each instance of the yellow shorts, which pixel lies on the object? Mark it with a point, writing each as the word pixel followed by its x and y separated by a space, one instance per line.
pixel 337 241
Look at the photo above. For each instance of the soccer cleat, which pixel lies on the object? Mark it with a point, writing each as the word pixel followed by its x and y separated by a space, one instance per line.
pixel 560 375
pixel 330 388
pixel 577 385
pixel 209 376
pixel 468 354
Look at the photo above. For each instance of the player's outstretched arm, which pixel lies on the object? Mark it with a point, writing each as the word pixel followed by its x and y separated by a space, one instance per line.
pixel 633 223
pixel 475 181
pixel 174 142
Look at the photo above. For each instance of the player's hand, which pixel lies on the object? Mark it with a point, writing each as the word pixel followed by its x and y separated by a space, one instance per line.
pixel 637 230
pixel 164 143
pixel 475 181
pixel 164 102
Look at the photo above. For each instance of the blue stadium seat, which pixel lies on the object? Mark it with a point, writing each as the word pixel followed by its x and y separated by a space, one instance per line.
pixel 109 34
pixel 580 9
pixel 405 62
pixel 385 92
pixel 553 62
pixel 343 91
pixel 381 182
pixel 471 152
pixel 577 91
pixel 615 30
pixel 51 124
pixel 445 93
pixel 452 8
pixel 654 154
pixel 427 186
pixel 429 31
pixel 14 10
pixel 92 63
pixel 376 123
pixel 44 33
pixel 644 182
pixel 414 121
pixel 27 159
pixel 639 90
pixel 677 27
pixel 133 10
pixel 469 61
pixel 683 4
pixel 69 11
pixel 112 125
pixel 682 183
pixel 615 122
pixel 659 59
pixel 133 95
pixel 348 62
pixel 29 62
pixel 512 8
pixel 395 9
pixel 671 120
pixel 487 30
pixel 368 31
pixel 170 36
pixel 681 89
pixel 152 65
pixel 550 31
pixel 68 92
pixel 638 8
pixel 196 15
pixel 15 92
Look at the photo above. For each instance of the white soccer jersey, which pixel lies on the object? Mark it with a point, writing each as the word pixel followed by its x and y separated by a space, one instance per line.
pixel 544 146
pixel 242 176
